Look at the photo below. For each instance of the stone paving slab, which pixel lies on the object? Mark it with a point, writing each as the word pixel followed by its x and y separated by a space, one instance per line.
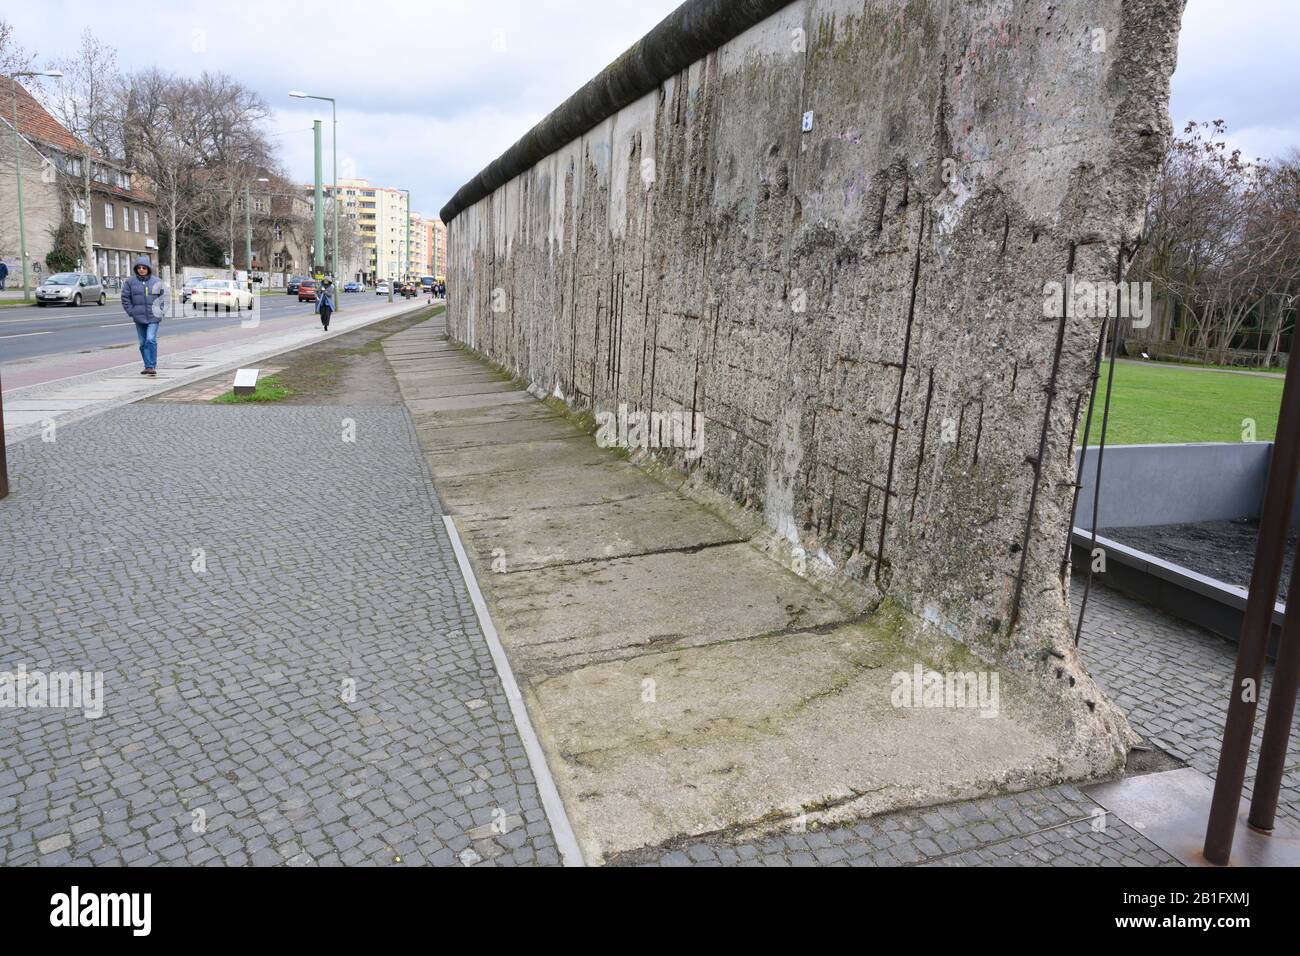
pixel 293 672
pixel 769 716
pixel 547 537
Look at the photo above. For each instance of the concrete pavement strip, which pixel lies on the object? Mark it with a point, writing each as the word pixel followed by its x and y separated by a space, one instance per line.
pixel 681 681
pixel 31 409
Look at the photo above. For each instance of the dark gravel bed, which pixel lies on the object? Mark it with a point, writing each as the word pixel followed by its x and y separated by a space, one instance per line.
pixel 1224 550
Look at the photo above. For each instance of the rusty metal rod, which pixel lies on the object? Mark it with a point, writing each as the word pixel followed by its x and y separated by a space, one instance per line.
pixel 1256 623
pixel 1277 722
pixel 4 464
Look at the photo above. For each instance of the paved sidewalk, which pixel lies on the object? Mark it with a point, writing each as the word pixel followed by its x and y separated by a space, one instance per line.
pixel 71 388
pixel 293 671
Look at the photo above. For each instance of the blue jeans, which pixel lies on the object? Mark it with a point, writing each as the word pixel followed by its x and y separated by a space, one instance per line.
pixel 148 336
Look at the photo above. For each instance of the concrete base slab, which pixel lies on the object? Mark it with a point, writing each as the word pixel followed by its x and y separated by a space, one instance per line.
pixel 441 437
pixel 577 452
pixel 761 731
pixel 546 537
pixel 563 617
pixel 515 491
pixel 481 387
pixel 1171 810
pixel 468 401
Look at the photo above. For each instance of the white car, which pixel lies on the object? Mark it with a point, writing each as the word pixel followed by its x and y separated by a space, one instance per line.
pixel 381 289
pixel 221 292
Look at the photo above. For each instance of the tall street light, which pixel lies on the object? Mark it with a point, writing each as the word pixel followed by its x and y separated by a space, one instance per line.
pixel 334 138
pixel 22 244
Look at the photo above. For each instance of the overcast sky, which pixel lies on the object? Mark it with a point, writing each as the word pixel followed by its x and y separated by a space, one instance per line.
pixel 429 92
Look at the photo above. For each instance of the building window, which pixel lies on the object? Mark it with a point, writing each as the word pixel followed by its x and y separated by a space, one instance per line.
pixel 146 222
pixel 108 215
pixel 279 233
pixel 78 212
pixel 136 216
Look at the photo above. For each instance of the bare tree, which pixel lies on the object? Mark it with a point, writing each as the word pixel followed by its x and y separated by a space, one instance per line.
pixel 163 128
pixel 83 101
pixel 13 58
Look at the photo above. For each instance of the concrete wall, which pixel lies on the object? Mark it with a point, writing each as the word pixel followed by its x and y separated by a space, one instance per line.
pixel 1144 485
pixel 856 311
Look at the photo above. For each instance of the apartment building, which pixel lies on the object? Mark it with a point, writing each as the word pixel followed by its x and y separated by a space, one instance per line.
pixel 380 214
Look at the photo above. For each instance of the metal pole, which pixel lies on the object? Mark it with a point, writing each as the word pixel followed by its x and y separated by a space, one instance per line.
pixel 1256 623
pixel 335 142
pixel 1277 723
pixel 318 253
pixel 248 233
pixel 18 166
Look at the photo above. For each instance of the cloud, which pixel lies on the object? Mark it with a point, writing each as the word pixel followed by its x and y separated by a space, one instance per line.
pixel 429 93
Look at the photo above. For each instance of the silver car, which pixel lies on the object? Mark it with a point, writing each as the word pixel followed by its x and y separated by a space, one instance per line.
pixel 70 288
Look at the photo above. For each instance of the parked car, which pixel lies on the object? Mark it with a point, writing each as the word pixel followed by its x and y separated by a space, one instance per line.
pixel 381 289
pixel 294 282
pixel 352 287
pixel 188 288
pixel 70 288
pixel 219 293
pixel 307 290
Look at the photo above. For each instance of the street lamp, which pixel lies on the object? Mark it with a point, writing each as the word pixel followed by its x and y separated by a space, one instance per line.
pixel 334 141
pixel 22 242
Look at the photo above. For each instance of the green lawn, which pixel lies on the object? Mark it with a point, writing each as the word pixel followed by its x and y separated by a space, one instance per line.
pixel 1159 403
pixel 269 389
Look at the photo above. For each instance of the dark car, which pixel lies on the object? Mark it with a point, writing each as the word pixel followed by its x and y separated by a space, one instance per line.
pixel 352 287
pixel 294 283
pixel 307 290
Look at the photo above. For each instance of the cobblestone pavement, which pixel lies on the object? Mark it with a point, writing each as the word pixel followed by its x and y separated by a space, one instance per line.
pixel 238 574
pixel 1171 677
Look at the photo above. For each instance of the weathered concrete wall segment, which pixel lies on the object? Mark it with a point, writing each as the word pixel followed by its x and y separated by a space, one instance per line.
pixel 857 310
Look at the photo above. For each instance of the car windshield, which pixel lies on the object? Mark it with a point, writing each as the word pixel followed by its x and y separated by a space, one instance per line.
pixel 63 278
pixel 217 284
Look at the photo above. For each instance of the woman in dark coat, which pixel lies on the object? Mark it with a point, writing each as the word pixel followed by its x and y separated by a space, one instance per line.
pixel 325 303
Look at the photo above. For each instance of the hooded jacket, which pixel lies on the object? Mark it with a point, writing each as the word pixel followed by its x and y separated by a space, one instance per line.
pixel 144 300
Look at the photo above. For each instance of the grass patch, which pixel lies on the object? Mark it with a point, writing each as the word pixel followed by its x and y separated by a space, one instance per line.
pixel 269 389
pixel 1163 403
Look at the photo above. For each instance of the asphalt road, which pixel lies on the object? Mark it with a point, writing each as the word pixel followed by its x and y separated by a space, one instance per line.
pixel 31 331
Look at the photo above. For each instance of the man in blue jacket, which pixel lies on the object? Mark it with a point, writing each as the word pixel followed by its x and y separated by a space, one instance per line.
pixel 144 299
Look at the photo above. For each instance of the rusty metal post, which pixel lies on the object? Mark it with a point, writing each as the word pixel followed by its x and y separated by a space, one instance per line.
pixel 4 464
pixel 1281 708
pixel 1257 623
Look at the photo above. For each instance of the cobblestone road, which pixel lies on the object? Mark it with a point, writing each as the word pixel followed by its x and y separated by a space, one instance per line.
pixel 236 574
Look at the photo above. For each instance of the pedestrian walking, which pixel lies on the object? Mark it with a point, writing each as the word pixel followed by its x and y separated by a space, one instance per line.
pixel 325 303
pixel 144 300
pixel 4 274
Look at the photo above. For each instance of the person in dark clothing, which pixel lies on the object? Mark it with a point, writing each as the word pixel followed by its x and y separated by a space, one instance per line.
pixel 144 300
pixel 325 303
pixel 4 274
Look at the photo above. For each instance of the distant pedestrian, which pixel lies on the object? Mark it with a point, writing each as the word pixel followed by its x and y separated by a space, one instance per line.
pixel 4 274
pixel 143 299
pixel 325 303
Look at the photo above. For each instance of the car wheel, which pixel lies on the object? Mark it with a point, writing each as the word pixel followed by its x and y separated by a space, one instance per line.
pixel 40 305
pixel 102 299
pixel 76 300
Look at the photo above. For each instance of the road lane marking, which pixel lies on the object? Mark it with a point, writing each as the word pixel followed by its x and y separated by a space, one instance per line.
pixel 19 335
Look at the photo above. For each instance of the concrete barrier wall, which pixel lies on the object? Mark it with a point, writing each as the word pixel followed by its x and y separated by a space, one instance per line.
pixel 1144 485
pixel 854 310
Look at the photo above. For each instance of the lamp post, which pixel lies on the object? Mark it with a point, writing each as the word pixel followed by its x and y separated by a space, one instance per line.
pixel 334 142
pixel 22 244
